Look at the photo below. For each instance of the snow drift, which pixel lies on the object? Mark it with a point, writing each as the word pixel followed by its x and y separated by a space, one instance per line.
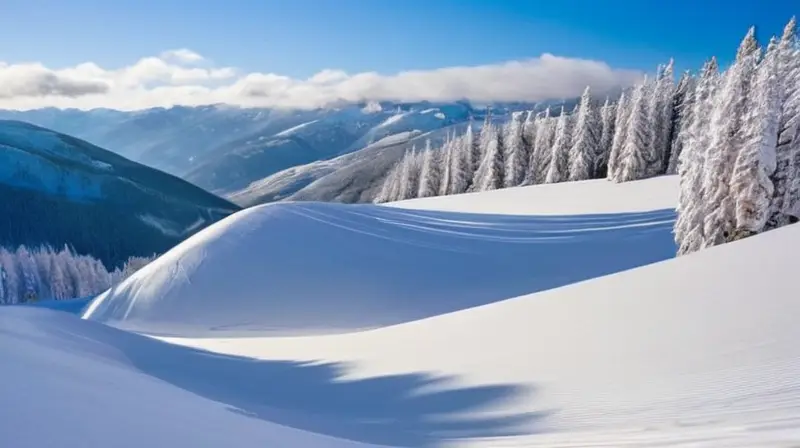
pixel 698 351
pixel 312 268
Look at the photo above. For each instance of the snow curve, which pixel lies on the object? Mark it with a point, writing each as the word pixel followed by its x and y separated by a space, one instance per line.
pixel 698 351
pixel 314 268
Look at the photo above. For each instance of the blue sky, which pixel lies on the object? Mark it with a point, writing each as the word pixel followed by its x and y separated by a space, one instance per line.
pixel 300 37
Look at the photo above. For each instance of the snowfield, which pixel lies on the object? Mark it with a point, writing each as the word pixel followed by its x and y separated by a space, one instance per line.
pixel 444 322
pixel 302 268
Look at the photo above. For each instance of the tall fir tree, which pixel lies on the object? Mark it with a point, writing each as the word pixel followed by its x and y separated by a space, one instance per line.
pixel 585 141
pixel 517 155
pixel 489 175
pixel 660 117
pixel 681 117
pixel 786 196
pixel 607 119
pixel 459 167
pixel 430 173
pixel 542 148
pixel 558 169
pixel 391 184
pixel 634 157
pixel 689 231
pixel 751 183
pixel 727 139
pixel 621 119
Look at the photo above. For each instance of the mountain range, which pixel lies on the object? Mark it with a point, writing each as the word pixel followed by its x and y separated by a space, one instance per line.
pixel 253 156
pixel 59 190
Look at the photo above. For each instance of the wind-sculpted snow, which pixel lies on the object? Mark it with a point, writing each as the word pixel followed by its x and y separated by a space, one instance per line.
pixel 699 351
pixel 311 268
pixel 103 387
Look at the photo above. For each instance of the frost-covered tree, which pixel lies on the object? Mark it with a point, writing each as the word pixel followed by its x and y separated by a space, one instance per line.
pixel 408 184
pixel 542 148
pixel 472 144
pixel 786 178
pixel 489 175
pixel 751 185
pixel 689 231
pixel 660 114
pixel 460 166
pixel 430 173
pixel 558 169
pixel 391 184
pixel 585 139
pixel 517 155
pixel 727 139
pixel 47 274
pixel 607 116
pixel 681 116
pixel 621 118
pixel 635 156
pixel 445 159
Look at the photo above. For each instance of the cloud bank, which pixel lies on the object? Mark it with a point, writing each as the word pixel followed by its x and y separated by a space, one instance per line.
pixel 183 77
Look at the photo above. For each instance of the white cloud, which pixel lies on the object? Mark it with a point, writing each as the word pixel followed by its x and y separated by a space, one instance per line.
pixel 183 77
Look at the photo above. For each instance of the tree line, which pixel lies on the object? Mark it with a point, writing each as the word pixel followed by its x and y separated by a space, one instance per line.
pixel 731 136
pixel 45 273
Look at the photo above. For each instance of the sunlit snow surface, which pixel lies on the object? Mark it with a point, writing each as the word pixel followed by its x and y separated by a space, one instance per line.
pixel 699 351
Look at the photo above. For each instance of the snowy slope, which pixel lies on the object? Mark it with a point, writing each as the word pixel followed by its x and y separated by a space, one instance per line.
pixel 569 198
pixel 699 351
pixel 76 384
pixel 310 268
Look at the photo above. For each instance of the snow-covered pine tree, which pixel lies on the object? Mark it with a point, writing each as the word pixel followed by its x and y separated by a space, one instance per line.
pixel 460 164
pixel 585 140
pixel 727 138
pixel 517 155
pixel 391 184
pixel 681 116
pixel 689 233
pixel 786 178
pixel 751 186
pixel 558 169
pixel 660 115
pixel 607 115
pixel 543 148
pixel 406 186
pixel 473 144
pixel 431 172
pixel 446 166
pixel 634 158
pixel 621 118
pixel 489 175
pixel 529 129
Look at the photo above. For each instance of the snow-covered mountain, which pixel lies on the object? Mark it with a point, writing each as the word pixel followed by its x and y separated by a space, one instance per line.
pixel 224 149
pixel 550 316
pixel 59 190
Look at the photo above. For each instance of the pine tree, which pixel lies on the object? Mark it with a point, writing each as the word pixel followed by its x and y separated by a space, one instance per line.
pixel 430 173
pixel 786 195
pixel 727 138
pixel 446 166
pixel 473 147
pixel 407 186
pixel 459 166
pixel 543 148
pixel 391 183
pixel 689 232
pixel 585 141
pixel 607 115
pixel 518 152
pixel 490 172
pixel 621 120
pixel 751 186
pixel 660 114
pixel 558 170
pixel 636 150
pixel 681 118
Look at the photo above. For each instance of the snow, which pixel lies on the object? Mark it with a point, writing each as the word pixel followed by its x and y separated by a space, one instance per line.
pixel 371 266
pixel 93 386
pixel 308 324
pixel 293 129
pixel 395 139
pixel 570 198
pixel 394 119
